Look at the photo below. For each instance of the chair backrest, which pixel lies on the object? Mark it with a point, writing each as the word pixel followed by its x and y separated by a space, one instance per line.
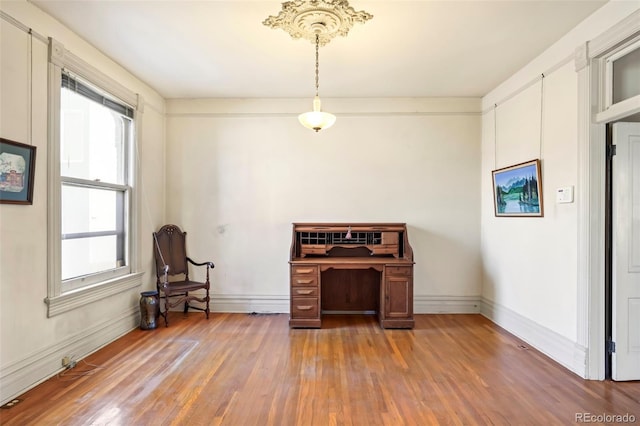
pixel 170 249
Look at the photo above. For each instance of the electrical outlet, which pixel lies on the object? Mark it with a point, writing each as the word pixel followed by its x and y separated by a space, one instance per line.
pixel 10 403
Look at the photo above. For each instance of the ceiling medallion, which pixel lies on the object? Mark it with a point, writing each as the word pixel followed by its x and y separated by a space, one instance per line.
pixel 325 18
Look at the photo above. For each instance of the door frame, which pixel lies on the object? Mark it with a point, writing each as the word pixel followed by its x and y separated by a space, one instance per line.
pixel 593 116
pixel 608 261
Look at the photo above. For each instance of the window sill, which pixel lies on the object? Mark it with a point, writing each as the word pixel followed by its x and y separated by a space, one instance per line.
pixel 75 299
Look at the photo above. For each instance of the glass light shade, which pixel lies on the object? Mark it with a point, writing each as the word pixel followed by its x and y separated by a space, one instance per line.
pixel 317 119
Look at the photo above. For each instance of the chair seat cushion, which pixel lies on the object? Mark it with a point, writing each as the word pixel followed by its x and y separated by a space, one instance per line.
pixel 180 286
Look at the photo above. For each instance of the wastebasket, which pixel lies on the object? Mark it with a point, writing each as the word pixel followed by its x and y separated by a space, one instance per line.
pixel 149 310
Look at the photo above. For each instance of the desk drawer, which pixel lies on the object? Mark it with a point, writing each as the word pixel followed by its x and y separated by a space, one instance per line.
pixel 403 271
pixel 304 307
pixel 304 270
pixel 304 280
pixel 312 249
pixel 304 292
pixel 385 249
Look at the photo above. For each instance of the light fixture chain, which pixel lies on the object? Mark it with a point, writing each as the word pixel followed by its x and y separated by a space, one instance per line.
pixel 317 63
pixel 310 19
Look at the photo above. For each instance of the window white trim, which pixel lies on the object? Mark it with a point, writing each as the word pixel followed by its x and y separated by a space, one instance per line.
pixel 57 301
pixel 62 58
pixel 79 298
pixel 54 270
pixel 619 110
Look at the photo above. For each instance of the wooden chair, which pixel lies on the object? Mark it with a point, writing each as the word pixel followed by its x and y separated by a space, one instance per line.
pixel 171 261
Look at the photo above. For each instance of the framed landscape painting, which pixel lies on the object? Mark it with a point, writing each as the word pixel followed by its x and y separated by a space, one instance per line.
pixel 517 190
pixel 17 167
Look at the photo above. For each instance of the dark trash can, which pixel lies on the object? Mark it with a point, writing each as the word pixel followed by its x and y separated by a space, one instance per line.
pixel 149 310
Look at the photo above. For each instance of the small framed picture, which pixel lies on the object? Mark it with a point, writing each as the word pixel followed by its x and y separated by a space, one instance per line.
pixel 517 190
pixel 17 169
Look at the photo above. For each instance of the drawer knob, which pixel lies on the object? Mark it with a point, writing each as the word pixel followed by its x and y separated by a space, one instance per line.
pixel 305 271
pixel 304 308
pixel 307 281
pixel 304 291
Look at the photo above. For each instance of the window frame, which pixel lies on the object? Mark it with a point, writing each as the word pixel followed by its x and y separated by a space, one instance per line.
pixel 59 299
pixel 93 94
pixel 608 110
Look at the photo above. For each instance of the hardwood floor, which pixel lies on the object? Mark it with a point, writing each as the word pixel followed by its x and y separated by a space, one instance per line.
pixel 238 369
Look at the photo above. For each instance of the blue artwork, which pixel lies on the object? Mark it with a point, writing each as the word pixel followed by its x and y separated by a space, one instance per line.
pixel 518 190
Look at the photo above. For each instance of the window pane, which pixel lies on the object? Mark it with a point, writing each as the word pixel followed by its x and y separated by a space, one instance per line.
pixel 91 140
pixel 83 256
pixel 626 83
pixel 93 237
pixel 91 209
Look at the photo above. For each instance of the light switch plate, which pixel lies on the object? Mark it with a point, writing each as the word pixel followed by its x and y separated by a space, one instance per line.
pixel 564 195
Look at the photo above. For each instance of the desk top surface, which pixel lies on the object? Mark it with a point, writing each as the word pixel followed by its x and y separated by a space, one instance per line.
pixel 343 260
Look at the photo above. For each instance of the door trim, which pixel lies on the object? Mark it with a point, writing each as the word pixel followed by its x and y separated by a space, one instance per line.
pixel 591 191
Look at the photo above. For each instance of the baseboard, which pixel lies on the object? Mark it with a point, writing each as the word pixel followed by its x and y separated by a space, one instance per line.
pixel 446 304
pixel 562 350
pixel 280 304
pixel 19 377
pixel 250 303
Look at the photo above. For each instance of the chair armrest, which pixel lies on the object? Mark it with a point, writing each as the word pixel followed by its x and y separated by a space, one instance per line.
pixel 208 264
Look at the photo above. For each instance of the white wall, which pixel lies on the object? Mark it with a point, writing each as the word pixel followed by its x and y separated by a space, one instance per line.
pixel 32 345
pixel 530 265
pixel 240 172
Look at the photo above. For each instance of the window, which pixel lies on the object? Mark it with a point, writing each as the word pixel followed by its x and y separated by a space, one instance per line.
pixel 620 92
pixel 626 71
pixel 92 197
pixel 95 136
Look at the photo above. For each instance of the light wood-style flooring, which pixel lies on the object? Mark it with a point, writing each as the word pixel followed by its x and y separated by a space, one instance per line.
pixel 240 370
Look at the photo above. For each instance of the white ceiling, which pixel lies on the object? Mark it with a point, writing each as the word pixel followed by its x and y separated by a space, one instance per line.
pixel 419 48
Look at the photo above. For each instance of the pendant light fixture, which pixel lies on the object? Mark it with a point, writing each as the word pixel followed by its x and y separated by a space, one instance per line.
pixel 318 21
pixel 317 119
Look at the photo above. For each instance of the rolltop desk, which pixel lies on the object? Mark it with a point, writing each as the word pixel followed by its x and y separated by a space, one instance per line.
pixel 351 268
